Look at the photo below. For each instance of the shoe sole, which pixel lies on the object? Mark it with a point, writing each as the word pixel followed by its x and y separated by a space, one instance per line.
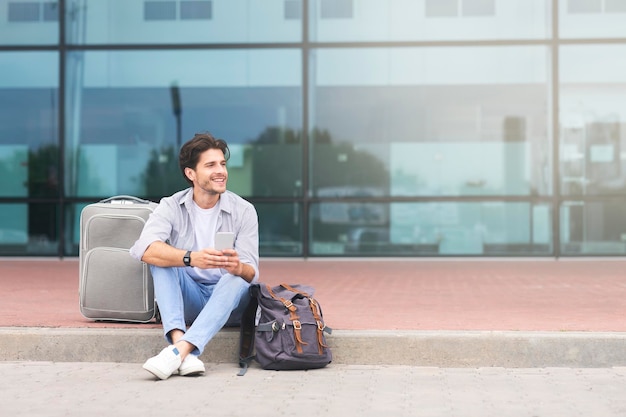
pixel 154 371
pixel 191 371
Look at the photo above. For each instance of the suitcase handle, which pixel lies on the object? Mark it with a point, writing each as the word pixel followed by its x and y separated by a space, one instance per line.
pixel 122 198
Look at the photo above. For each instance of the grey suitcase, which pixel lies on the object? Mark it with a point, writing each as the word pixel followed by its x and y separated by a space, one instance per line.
pixel 113 285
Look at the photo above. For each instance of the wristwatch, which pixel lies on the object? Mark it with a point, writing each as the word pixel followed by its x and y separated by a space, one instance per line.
pixel 187 258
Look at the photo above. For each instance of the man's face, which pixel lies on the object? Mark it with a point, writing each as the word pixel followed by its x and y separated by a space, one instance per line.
pixel 210 174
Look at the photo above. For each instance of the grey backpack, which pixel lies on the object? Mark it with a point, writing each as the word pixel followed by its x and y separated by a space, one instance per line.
pixel 283 328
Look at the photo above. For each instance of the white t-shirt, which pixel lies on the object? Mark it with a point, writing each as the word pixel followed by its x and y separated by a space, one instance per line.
pixel 205 221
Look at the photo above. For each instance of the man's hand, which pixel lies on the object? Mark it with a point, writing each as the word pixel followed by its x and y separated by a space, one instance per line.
pixel 227 259
pixel 163 255
pixel 213 258
pixel 232 263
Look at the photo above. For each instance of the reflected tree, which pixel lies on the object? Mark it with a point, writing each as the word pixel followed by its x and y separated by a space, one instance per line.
pixel 43 172
pixel 277 163
pixel 279 135
pixel 278 166
pixel 162 176
pixel 43 181
pixel 277 172
pixel 340 164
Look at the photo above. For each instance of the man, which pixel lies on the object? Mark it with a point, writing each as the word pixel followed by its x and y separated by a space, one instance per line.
pixel 198 288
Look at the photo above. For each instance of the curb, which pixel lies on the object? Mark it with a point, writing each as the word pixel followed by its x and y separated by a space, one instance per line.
pixel 447 349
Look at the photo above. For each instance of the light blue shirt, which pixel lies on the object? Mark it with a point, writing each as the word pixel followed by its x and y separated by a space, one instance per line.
pixel 172 222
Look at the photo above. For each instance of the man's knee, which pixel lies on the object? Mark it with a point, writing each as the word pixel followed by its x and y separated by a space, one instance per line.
pixel 238 288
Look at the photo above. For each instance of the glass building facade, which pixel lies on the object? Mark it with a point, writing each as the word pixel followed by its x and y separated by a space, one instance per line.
pixel 404 128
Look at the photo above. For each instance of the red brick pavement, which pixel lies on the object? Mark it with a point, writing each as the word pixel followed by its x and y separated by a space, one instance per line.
pixel 379 294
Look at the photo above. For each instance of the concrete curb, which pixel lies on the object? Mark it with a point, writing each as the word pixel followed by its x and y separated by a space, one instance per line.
pixel 449 349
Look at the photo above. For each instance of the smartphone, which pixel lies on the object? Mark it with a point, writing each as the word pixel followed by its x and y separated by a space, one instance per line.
pixel 224 240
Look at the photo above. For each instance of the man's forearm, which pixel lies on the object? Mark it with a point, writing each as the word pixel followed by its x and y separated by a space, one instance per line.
pixel 247 272
pixel 163 255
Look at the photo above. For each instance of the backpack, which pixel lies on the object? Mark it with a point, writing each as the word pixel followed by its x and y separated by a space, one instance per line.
pixel 285 325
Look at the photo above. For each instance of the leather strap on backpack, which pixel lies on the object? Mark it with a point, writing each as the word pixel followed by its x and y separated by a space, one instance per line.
pixel 293 316
pixel 315 309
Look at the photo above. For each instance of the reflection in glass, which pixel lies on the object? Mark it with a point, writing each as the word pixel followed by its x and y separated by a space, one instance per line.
pixel 593 117
pixel 14 226
pixel 29 159
pixel 276 160
pixel 593 228
pixel 13 170
pixel 28 229
pixel 592 18
pixel 428 20
pixel 72 228
pixel 280 229
pixel 412 126
pixel 29 22
pixel 416 229
pixel 181 21
pixel 126 125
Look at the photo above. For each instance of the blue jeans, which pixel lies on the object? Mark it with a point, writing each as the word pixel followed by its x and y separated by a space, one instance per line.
pixel 206 307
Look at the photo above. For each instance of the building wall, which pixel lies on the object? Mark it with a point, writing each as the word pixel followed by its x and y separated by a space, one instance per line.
pixel 356 127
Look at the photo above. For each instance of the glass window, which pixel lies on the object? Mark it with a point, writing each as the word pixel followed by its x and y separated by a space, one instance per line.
pixel 429 229
pixel 28 229
pixel 50 11
pixel 593 116
pixel 181 21
pixel 29 152
pixel 72 228
pixel 14 170
pixel 428 20
pixel 29 22
pixel 413 125
pixel 336 9
pixel 592 18
pixel 192 10
pixel 593 228
pixel 29 145
pixel 159 10
pixel 293 9
pixel 125 124
pixel 24 12
pixel 280 229
pixel 13 228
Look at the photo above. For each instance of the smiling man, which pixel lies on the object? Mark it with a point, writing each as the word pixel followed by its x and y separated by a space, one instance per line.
pixel 198 288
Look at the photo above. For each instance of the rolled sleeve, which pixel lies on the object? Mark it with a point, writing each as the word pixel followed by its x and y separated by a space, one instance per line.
pixel 247 243
pixel 171 223
pixel 158 227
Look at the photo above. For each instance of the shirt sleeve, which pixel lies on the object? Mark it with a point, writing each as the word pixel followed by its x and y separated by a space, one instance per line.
pixel 247 243
pixel 158 227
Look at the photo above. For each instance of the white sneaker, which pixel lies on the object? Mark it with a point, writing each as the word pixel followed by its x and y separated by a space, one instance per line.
pixel 165 363
pixel 191 366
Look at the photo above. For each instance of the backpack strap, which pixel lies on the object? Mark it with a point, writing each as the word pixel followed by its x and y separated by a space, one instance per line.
pixel 315 307
pixel 246 331
pixel 316 310
pixel 293 316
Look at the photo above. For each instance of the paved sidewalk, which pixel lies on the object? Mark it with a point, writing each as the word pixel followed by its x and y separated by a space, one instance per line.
pixel 380 294
pixel 513 313
pixel 104 389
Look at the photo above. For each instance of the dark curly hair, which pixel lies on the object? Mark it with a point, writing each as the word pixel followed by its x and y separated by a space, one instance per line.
pixel 191 150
